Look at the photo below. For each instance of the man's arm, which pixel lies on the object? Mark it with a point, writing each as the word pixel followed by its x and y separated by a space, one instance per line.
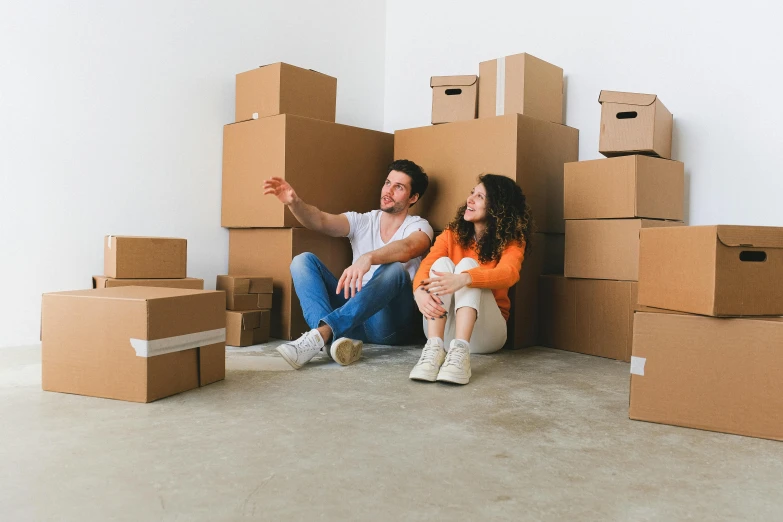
pixel 309 216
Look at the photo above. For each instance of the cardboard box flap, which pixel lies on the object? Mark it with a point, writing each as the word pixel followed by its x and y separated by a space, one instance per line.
pixel 757 237
pixel 281 64
pixel 457 81
pixel 132 293
pixel 626 98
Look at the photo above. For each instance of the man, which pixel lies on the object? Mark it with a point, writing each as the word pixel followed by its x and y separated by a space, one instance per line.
pixel 373 299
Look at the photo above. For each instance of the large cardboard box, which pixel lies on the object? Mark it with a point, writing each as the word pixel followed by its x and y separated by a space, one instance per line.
pixel 136 257
pixel 521 84
pixel 708 373
pixel 246 293
pixel 713 270
pixel 528 150
pixel 247 328
pixel 634 123
pixel 554 253
pixel 132 343
pixel 590 316
pixel 606 248
pixel 454 98
pixel 280 88
pixel 270 251
pixel 109 282
pixel 334 167
pixel 625 187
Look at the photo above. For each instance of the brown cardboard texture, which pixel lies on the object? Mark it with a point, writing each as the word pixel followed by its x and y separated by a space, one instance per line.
pixel 454 98
pixel 713 270
pixel 131 257
pixel 554 253
pixel 270 251
pixel 606 248
pixel 634 123
pixel 132 343
pixel 708 373
pixel 187 282
pixel 590 316
pixel 280 88
pixel 247 328
pixel 625 187
pixel 521 84
pixel 246 293
pixel 528 150
pixel 301 151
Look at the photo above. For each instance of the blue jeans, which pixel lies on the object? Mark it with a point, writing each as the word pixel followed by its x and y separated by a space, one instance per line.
pixel 383 312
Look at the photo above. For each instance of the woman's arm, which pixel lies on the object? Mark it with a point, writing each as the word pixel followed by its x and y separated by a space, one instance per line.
pixel 439 249
pixel 506 272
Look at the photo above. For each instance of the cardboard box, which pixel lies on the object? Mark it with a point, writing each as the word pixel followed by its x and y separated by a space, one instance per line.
pixel 280 88
pixel 130 257
pixel 528 150
pixel 708 373
pixel 349 164
pixel 554 253
pixel 521 84
pixel 606 248
pixel 454 98
pixel 270 251
pixel 108 282
pixel 590 316
pixel 132 343
pixel 634 123
pixel 625 187
pixel 246 293
pixel 247 328
pixel 713 270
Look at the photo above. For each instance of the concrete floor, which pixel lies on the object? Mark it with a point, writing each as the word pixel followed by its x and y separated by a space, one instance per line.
pixel 539 434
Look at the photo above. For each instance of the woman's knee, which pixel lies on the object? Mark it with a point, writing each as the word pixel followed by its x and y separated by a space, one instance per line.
pixel 444 264
pixel 466 263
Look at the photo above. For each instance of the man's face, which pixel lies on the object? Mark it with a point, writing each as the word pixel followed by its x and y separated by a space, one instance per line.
pixel 396 193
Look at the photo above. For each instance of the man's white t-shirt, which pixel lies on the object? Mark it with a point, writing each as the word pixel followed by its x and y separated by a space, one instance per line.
pixel 365 236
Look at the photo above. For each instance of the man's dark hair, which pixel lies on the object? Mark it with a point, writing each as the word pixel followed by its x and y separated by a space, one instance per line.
pixel 419 179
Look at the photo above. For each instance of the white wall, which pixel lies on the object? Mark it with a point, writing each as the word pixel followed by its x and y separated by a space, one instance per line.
pixel 716 69
pixel 111 118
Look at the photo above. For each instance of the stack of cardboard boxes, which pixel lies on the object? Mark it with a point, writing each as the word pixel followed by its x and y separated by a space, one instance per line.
pixel 519 133
pixel 248 308
pixel 718 370
pixel 285 127
pixel 607 202
pixel 134 338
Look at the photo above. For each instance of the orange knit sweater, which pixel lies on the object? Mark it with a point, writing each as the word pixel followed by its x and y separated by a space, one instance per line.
pixel 498 276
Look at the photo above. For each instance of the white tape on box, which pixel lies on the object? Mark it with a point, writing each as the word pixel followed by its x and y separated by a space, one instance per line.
pixel 500 88
pixel 108 239
pixel 177 343
pixel 637 365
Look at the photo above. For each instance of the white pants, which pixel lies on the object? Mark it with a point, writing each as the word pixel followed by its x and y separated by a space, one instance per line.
pixel 489 333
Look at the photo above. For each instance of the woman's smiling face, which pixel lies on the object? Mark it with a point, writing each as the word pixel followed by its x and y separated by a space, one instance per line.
pixel 477 204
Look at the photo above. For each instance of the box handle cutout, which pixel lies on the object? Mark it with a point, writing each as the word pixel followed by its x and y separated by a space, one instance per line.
pixel 753 256
pixel 452 92
pixel 626 115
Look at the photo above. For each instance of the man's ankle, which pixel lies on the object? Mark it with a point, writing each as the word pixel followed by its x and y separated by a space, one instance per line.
pixel 326 332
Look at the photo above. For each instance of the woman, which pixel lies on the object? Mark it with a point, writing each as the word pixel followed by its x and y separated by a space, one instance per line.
pixel 461 287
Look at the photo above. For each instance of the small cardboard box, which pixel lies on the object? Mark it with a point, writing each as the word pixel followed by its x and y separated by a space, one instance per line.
pixel 108 282
pixel 246 293
pixel 131 257
pixel 454 98
pixel 247 328
pixel 713 270
pixel 590 316
pixel 708 373
pixel 132 343
pixel 606 248
pixel 270 251
pixel 634 123
pixel 625 187
pixel 521 84
pixel 528 150
pixel 300 150
pixel 280 88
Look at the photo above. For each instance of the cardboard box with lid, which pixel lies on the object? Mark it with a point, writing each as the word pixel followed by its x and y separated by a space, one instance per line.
pixel 454 98
pixel 247 328
pixel 110 282
pixel 246 292
pixel 138 257
pixel 634 123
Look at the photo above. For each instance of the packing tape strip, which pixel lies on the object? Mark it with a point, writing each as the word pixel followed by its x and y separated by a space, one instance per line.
pixel 177 343
pixel 500 88
pixel 637 365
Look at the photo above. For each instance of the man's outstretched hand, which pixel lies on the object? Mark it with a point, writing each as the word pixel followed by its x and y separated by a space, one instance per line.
pixel 281 189
pixel 351 280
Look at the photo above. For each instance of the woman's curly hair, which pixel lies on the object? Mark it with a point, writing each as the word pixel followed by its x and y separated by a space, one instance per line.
pixel 508 219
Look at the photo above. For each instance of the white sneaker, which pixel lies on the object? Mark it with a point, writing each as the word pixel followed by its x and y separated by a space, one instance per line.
pixel 346 351
pixel 432 357
pixel 456 368
pixel 299 352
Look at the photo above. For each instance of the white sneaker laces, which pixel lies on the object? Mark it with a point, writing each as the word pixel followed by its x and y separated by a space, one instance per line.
pixel 308 341
pixel 455 357
pixel 429 353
